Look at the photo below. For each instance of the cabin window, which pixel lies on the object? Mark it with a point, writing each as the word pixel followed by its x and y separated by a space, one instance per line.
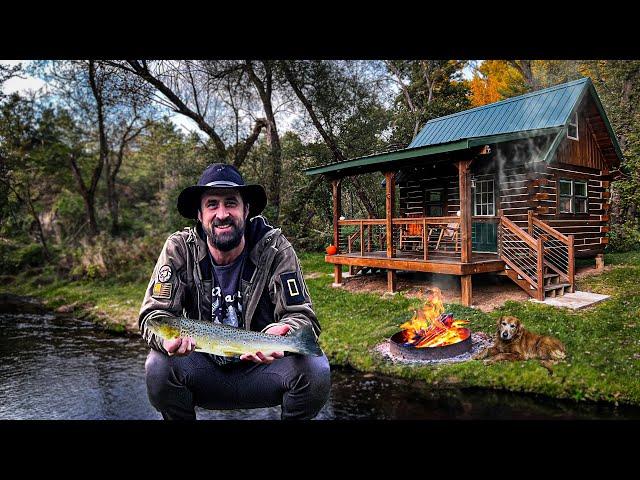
pixel 572 129
pixel 484 198
pixel 580 197
pixel 434 202
pixel 573 196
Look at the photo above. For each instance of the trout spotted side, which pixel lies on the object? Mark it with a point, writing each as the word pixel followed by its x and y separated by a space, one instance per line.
pixel 227 341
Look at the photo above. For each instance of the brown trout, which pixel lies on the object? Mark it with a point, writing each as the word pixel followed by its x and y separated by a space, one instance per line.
pixel 228 341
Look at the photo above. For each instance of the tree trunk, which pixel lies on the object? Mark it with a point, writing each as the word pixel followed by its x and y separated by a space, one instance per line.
pixel 265 90
pixel 87 197
pixel 524 67
pixel 88 194
pixel 43 241
pixel 112 202
pixel 35 216
pixel 89 203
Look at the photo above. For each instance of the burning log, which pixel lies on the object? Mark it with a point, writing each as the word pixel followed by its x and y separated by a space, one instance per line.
pixel 432 327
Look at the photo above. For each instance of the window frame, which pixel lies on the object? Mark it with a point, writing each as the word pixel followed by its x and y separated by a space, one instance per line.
pixel 584 197
pixel 480 180
pixel 572 124
pixel 572 197
pixel 428 204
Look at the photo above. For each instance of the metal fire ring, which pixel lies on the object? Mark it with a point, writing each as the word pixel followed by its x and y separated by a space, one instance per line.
pixel 409 352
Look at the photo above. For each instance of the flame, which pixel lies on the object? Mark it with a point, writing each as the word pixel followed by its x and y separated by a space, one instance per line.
pixel 431 327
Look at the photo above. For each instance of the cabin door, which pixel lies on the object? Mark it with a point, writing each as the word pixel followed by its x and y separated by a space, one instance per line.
pixel 484 234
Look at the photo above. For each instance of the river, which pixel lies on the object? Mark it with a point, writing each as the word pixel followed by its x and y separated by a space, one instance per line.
pixel 63 368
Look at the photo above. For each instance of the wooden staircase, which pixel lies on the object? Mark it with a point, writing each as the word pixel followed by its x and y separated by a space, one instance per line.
pixel 539 260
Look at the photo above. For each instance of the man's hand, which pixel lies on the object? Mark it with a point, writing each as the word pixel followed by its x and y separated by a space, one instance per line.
pixel 260 357
pixel 179 346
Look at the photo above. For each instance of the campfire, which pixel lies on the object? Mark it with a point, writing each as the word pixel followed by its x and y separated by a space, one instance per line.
pixel 431 333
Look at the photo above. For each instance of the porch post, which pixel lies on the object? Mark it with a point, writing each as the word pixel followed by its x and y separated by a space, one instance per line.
pixel 390 200
pixel 336 185
pixel 464 182
pixel 465 290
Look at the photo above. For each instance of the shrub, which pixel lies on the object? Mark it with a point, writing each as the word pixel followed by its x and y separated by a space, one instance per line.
pixel 132 258
pixel 16 258
pixel 624 237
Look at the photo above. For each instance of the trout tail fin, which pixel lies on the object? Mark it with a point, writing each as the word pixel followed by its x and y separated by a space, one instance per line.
pixel 306 341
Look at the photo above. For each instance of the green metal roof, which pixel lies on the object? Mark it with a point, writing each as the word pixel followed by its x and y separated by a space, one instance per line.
pixel 546 108
pixel 542 112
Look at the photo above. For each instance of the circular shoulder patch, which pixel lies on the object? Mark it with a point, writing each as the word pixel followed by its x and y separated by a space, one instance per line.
pixel 164 274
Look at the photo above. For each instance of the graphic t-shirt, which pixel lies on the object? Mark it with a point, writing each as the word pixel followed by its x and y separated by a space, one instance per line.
pixel 226 297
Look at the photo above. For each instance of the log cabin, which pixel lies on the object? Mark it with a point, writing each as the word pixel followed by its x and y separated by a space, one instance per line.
pixel 520 187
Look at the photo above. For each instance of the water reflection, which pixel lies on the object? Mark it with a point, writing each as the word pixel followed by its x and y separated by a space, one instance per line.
pixel 56 368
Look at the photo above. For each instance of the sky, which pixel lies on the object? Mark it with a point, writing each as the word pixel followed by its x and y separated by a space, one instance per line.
pixel 185 124
pixel 32 83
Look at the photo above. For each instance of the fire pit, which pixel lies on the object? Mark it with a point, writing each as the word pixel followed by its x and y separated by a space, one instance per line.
pixel 431 334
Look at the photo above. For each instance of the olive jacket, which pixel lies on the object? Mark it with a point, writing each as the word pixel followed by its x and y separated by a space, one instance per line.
pixel 273 290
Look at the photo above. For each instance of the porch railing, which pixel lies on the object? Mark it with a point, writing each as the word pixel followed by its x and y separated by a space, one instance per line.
pixel 417 237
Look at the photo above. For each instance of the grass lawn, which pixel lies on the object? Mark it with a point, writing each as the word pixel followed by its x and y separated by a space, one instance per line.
pixel 603 342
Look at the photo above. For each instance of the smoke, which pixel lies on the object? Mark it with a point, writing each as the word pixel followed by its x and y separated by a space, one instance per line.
pixel 517 158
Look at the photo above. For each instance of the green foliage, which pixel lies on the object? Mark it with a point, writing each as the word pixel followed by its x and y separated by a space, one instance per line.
pixel 113 258
pixel 436 89
pixel 624 237
pixel 16 258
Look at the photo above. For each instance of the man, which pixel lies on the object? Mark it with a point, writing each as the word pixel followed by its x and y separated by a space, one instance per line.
pixel 232 268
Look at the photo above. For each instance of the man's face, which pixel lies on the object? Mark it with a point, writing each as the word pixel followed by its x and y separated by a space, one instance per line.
pixel 223 214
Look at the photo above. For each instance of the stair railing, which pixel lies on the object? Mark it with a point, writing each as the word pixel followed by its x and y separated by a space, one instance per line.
pixel 558 249
pixel 522 253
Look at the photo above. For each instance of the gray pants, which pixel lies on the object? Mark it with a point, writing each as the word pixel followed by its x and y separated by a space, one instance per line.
pixel 176 384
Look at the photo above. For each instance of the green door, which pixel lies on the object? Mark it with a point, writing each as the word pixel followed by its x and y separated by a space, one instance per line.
pixel 484 235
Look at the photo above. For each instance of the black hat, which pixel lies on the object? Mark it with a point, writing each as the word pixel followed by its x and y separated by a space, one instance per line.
pixel 221 175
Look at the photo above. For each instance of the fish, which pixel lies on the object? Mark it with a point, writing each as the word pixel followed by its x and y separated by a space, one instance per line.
pixel 227 341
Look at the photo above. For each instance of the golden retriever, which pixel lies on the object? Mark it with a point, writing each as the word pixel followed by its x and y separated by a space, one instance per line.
pixel 513 342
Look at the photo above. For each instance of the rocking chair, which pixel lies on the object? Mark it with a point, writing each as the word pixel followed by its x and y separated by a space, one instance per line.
pixel 452 231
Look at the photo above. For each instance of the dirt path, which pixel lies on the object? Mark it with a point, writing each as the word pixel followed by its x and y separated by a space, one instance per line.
pixel 490 291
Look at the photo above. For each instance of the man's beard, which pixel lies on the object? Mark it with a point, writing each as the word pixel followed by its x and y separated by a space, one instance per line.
pixel 228 240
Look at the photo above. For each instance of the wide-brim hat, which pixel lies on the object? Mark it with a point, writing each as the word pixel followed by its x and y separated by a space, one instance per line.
pixel 221 175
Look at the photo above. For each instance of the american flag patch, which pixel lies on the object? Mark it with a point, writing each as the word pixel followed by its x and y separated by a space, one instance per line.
pixel 162 290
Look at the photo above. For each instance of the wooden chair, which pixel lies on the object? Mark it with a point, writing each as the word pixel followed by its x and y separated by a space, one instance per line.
pixel 412 235
pixel 452 230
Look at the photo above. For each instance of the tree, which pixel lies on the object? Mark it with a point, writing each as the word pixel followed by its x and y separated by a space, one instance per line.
pixel 197 90
pixel 618 85
pixel 525 67
pixel 554 72
pixel 335 96
pixel 31 155
pixel 432 88
pixel 96 94
pixel 495 80
pixel 8 72
pixel 264 85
